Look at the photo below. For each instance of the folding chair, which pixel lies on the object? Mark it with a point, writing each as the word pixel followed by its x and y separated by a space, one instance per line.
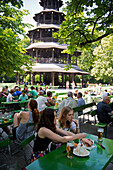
pixel 25 142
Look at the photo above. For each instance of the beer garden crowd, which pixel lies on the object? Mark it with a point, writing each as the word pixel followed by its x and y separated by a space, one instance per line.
pixel 48 121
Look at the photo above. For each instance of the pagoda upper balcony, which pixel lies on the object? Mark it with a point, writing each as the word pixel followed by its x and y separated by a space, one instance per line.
pixel 54 60
pixel 43 33
pixel 49 17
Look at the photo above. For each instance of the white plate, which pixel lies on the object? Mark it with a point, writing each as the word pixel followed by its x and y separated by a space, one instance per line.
pixel 76 154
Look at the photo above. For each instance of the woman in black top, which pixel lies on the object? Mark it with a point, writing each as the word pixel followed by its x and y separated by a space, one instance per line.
pixel 47 132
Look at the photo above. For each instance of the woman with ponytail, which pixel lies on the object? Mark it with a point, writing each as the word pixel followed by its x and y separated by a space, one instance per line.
pixel 20 121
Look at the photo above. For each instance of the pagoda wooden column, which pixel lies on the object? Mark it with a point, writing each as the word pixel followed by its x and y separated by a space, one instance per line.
pixel 36 56
pixel 52 18
pixel 56 78
pixel 53 54
pixel 40 77
pixel 53 78
pixel 47 4
pixel 73 77
pixel 44 18
pixel 62 79
pixel 32 78
pixel 40 34
pixel 55 4
pixel 59 20
pixel 51 4
pixel 32 38
pixel 82 80
pixel 44 5
pixel 68 59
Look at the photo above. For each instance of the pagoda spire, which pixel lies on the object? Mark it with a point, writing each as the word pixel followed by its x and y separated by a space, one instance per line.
pixel 51 4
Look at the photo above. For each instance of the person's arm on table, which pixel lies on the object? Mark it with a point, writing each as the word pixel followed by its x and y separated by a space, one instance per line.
pixel 68 133
pixel 44 132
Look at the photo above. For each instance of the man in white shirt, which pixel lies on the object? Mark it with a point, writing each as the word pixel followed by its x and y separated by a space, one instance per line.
pixel 42 102
pixel 68 102
pixel 10 96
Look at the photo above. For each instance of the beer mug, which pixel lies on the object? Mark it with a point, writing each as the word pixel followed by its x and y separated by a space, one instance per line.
pixel 6 117
pixel 69 148
pixel 100 134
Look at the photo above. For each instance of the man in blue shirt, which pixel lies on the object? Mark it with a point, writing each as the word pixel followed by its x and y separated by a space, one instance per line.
pixel 17 92
pixel 80 102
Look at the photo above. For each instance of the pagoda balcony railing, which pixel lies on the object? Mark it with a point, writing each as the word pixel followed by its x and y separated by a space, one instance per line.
pixel 54 60
pixel 47 39
pixel 48 21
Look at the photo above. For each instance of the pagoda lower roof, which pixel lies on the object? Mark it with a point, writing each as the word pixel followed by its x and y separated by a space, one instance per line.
pixel 45 26
pixel 47 45
pixel 53 67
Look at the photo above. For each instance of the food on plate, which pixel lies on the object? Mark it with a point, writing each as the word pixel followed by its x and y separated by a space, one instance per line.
pixel 87 142
pixel 81 150
pixel 75 144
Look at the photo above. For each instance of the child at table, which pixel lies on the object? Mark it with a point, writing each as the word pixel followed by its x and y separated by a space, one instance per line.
pixel 20 129
pixel 65 120
pixel 48 132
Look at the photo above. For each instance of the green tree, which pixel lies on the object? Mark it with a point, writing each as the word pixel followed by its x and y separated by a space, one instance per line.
pixel 25 42
pixel 86 21
pixel 12 53
pixel 103 64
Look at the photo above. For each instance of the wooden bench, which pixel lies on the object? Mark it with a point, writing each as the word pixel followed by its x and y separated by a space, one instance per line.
pixel 82 107
pixel 100 124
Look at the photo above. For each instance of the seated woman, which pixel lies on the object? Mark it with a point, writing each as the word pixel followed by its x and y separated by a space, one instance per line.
pixel 20 129
pixel 48 132
pixel 50 101
pixel 66 121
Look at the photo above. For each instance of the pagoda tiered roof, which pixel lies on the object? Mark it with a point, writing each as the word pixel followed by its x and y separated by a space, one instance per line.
pixel 45 26
pixel 47 45
pixel 39 67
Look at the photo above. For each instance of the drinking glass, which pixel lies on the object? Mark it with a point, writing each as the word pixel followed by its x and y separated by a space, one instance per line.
pixel 100 134
pixel 69 148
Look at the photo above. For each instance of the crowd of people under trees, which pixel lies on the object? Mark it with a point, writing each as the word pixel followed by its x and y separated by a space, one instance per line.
pixel 52 127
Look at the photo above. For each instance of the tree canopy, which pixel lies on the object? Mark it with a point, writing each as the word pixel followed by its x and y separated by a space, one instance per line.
pixel 86 21
pixel 12 53
pixel 103 64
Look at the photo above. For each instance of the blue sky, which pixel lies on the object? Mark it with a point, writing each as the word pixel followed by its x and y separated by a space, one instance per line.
pixel 34 7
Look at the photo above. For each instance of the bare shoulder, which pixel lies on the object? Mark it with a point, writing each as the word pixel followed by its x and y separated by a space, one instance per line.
pixel 24 113
pixel 43 132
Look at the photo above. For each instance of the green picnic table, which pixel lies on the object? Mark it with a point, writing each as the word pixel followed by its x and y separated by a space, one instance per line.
pixel 2 124
pixel 53 107
pixel 99 158
pixel 11 105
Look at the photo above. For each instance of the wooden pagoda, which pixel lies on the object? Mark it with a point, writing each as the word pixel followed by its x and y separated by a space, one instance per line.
pixel 46 50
